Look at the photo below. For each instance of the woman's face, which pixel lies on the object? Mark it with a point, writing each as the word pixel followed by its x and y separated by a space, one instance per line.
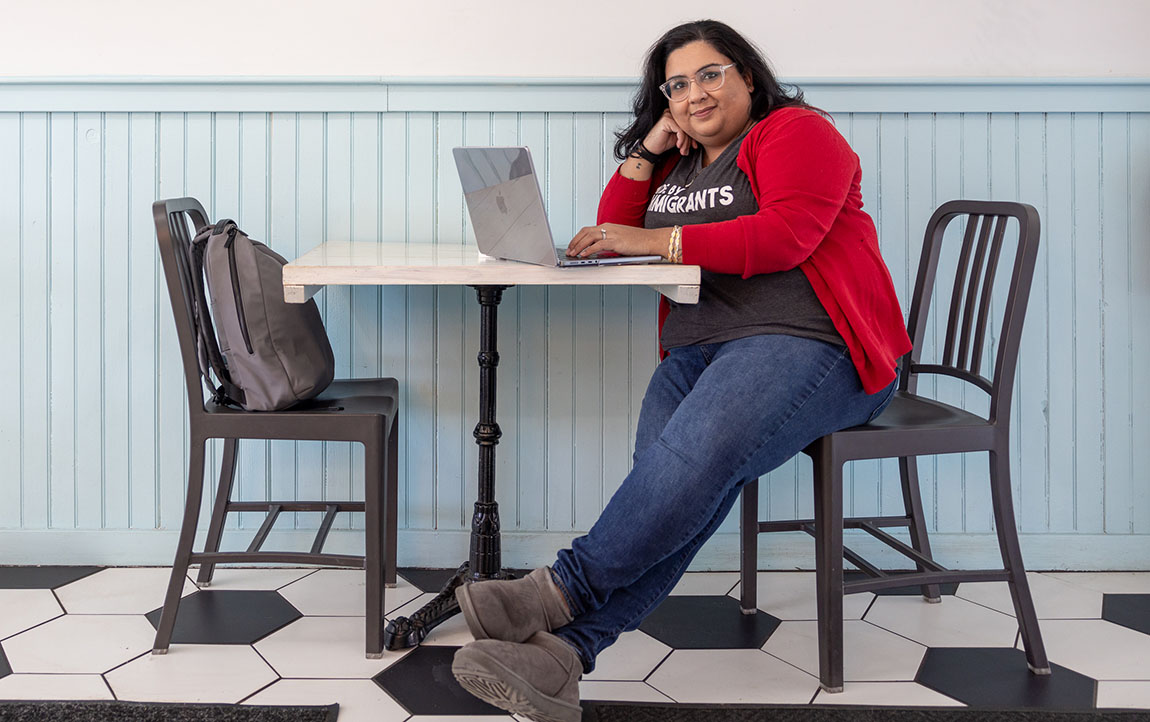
pixel 713 118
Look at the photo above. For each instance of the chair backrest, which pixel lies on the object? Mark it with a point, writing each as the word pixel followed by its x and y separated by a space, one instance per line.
pixel 968 312
pixel 174 237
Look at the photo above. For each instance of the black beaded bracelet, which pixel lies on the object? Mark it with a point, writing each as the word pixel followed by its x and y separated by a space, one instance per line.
pixel 641 151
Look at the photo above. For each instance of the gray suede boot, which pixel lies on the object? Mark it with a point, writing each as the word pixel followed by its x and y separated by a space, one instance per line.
pixel 513 610
pixel 538 679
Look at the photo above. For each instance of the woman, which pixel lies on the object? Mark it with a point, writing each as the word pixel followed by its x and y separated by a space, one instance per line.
pixel 796 334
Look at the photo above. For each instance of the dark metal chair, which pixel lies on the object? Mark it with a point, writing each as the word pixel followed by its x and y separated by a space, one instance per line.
pixel 913 426
pixel 358 410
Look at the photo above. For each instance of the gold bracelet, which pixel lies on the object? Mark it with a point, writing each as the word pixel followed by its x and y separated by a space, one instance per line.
pixel 675 245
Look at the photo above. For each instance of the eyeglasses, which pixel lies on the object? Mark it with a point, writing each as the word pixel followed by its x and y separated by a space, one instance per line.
pixel 709 78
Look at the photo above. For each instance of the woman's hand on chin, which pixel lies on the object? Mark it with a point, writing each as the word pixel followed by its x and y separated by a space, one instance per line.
pixel 619 239
pixel 666 134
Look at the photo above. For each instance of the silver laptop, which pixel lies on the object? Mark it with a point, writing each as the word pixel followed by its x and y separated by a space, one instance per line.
pixel 506 209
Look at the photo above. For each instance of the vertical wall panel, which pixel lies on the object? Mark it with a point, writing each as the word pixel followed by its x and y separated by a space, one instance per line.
pixel 1061 321
pixel 419 420
pixel 1088 288
pixel 532 495
pixel 337 199
pixel 588 359
pixel 561 321
pixel 504 130
pixel 286 462
pixel 1117 474
pixel 11 270
pixel 142 322
pixel 1138 255
pixel 480 130
pixel 171 390
pixel 946 471
pixel 62 320
pixel 921 200
pixel 35 207
pixel 114 310
pixel 393 357
pixel 452 432
pixel 1031 410
pixel 975 169
pixel 311 229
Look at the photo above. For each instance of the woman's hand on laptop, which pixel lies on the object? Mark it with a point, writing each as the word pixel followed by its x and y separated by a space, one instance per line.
pixel 607 238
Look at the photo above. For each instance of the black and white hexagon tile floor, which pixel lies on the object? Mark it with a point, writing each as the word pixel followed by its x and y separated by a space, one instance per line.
pixel 295 636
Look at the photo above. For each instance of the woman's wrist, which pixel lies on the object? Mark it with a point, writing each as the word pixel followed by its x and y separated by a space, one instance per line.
pixel 636 168
pixel 667 242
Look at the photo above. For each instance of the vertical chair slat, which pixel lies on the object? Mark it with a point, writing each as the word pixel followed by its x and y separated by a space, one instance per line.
pixel 956 293
pixel 987 290
pixel 973 281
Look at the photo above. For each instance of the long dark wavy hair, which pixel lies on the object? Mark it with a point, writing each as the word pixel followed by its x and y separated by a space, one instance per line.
pixel 768 94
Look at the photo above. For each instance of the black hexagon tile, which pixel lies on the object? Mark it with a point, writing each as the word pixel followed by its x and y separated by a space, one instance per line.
pixel 5 668
pixel 433 580
pixel 228 617
pixel 427 580
pixel 422 682
pixel 999 677
pixel 853 576
pixel 708 622
pixel 1129 610
pixel 42 577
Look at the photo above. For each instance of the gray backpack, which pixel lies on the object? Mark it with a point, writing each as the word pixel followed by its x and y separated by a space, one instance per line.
pixel 270 354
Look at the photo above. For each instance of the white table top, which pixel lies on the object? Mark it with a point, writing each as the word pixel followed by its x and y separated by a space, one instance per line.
pixel 435 264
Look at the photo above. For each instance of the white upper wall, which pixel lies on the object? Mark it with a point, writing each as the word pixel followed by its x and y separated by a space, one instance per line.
pixel 590 39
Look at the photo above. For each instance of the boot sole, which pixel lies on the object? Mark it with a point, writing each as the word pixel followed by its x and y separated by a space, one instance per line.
pixel 508 691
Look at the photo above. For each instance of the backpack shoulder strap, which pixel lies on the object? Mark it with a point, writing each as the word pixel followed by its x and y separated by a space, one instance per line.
pixel 210 358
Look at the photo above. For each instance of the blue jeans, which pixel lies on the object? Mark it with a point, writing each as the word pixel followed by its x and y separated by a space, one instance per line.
pixel 714 417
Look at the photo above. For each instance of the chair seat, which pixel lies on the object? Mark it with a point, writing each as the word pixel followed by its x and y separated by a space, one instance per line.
pixel 910 410
pixel 915 426
pixel 348 396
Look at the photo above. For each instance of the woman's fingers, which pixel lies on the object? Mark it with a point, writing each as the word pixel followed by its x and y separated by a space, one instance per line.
pixel 584 238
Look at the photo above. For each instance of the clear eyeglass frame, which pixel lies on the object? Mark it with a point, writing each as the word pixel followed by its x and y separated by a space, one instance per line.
pixel 708 78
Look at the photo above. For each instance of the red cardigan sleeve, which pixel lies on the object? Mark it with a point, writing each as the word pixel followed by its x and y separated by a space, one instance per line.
pixel 624 201
pixel 801 171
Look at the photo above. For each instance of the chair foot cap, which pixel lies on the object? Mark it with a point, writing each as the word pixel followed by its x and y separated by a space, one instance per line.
pixel 831 690
pixel 390 585
pixel 1041 671
pixel 159 651
pixel 749 612
pixel 204 585
pixel 932 600
pixel 373 655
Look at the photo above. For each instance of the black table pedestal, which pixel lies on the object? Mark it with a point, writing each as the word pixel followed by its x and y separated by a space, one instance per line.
pixel 484 561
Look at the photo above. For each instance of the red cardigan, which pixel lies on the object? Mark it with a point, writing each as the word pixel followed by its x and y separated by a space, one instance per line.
pixel 806 179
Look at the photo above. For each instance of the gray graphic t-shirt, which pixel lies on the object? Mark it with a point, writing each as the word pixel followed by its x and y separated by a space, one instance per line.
pixel 730 306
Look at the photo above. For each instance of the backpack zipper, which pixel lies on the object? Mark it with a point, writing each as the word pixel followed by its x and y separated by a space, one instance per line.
pixel 230 245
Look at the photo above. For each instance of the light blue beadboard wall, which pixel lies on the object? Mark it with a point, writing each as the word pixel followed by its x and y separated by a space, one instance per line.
pixel 92 432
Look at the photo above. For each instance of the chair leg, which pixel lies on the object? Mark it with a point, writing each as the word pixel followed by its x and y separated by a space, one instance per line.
pixel 390 505
pixel 219 510
pixel 183 549
pixel 375 498
pixel 749 547
pixel 828 479
pixel 912 502
pixel 1012 561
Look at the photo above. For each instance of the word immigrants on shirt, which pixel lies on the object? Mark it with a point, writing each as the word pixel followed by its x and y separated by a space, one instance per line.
pixel 670 198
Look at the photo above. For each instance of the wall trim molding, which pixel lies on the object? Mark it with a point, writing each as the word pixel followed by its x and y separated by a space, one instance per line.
pixel 446 549
pixel 384 94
